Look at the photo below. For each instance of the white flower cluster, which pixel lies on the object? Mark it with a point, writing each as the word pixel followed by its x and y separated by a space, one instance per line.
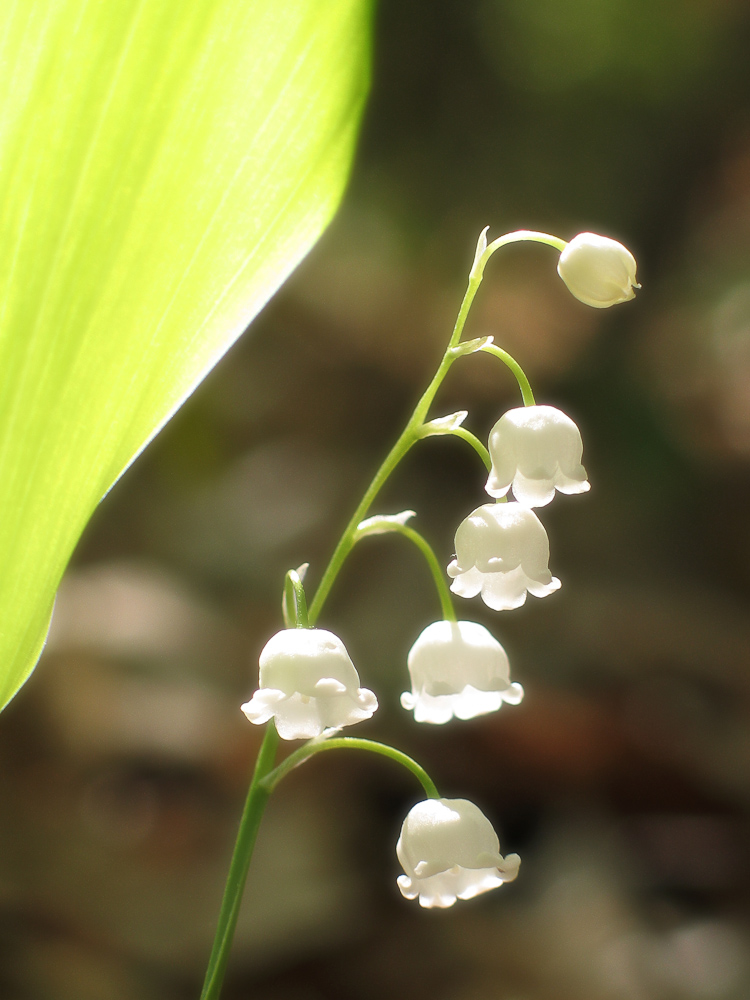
pixel 502 549
pixel 309 685
pixel 502 552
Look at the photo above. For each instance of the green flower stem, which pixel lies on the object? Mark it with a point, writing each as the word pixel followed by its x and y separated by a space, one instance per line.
pixel 411 433
pixel 523 383
pixel 446 604
pixel 351 743
pixel 265 777
pixel 257 797
pixel 408 438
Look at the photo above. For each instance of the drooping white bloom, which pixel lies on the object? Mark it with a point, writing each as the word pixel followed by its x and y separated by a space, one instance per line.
pixel 536 450
pixel 502 551
pixel 598 270
pixel 308 684
pixel 448 849
pixel 458 668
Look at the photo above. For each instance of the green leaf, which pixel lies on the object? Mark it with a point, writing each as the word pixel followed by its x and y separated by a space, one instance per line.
pixel 164 164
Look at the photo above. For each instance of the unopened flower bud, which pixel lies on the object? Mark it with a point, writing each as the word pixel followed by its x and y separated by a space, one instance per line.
pixel 598 271
pixel 448 850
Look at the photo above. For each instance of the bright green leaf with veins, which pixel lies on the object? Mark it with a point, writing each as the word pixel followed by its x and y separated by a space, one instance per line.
pixel 164 164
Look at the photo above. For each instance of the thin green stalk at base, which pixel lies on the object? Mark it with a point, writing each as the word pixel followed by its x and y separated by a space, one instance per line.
pixel 265 779
pixel 255 804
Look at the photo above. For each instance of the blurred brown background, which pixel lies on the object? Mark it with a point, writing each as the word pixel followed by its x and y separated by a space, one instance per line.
pixel 622 779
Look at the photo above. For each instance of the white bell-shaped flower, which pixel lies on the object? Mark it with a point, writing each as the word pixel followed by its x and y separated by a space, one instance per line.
pixel 535 450
pixel 458 669
pixel 448 850
pixel 308 684
pixel 598 270
pixel 502 551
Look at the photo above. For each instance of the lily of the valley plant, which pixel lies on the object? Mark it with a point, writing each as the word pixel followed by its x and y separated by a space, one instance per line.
pixel 310 690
